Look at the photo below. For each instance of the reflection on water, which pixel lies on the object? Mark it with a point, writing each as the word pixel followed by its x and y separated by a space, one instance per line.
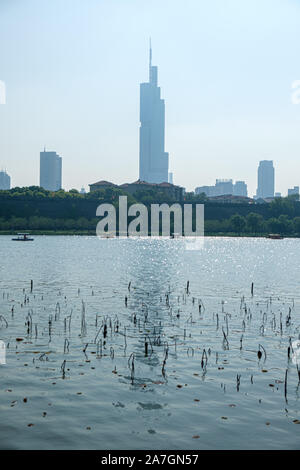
pixel 143 344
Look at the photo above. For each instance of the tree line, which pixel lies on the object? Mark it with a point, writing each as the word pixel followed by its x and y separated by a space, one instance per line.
pixel 255 224
pixel 252 224
pixel 35 209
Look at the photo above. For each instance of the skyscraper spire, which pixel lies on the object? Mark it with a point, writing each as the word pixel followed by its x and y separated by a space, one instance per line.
pixel 152 68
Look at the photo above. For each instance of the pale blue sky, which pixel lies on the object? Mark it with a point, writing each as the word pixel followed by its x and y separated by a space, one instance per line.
pixel 72 70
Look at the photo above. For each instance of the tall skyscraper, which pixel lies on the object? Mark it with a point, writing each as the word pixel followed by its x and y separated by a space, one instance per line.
pixel 265 179
pixel 4 180
pixel 154 161
pixel 50 171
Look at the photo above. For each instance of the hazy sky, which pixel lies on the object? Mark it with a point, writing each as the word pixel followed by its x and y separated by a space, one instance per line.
pixel 72 70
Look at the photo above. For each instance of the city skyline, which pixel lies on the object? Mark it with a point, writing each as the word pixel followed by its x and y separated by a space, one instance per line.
pixel 229 101
pixel 51 179
pixel 51 175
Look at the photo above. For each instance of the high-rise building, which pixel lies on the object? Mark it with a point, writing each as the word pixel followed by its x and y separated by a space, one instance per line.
pixel 154 161
pixel 207 190
pixel 224 187
pixel 293 191
pixel 50 171
pixel 240 189
pixel 265 179
pixel 4 180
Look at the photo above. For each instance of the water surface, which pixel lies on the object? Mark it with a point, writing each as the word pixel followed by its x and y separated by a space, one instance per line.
pixel 75 372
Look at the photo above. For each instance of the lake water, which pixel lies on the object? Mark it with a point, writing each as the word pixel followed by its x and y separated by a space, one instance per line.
pixel 78 374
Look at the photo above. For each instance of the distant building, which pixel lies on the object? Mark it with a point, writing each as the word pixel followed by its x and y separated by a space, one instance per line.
pixel 293 191
pixel 171 190
pixel 101 185
pixel 240 189
pixel 224 187
pixel 266 200
pixel 170 178
pixel 277 194
pixel 265 179
pixel 154 161
pixel 50 171
pixel 229 198
pixel 204 190
pixel 4 180
pixel 82 191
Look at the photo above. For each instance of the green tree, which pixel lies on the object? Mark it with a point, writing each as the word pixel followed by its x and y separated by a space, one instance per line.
pixel 285 224
pixel 296 223
pixel 273 225
pixel 255 222
pixel 282 206
pixel 34 223
pixel 238 223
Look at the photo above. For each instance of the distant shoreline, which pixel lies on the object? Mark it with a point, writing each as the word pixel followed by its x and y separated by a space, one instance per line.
pixel 90 233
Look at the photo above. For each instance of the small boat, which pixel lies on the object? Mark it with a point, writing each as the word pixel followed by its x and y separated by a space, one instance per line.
pixel 275 236
pixel 107 235
pixel 175 235
pixel 23 237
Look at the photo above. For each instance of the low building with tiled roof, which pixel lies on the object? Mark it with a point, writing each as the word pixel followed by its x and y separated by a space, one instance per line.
pixel 102 185
pixel 230 198
pixel 175 192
